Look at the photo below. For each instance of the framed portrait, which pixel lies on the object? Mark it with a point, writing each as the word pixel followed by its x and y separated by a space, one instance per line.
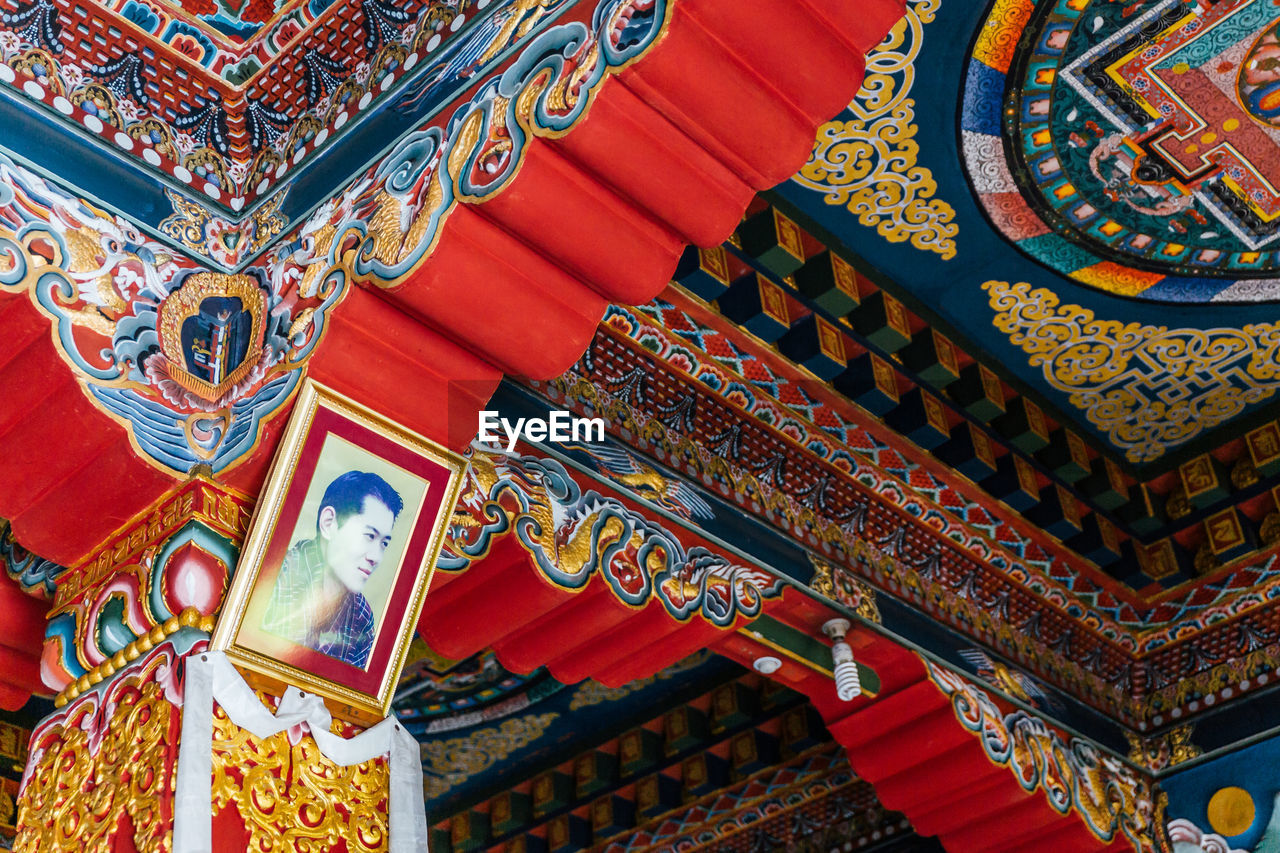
pixel 339 555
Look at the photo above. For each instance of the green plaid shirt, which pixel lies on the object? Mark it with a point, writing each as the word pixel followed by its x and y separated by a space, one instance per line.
pixel 294 610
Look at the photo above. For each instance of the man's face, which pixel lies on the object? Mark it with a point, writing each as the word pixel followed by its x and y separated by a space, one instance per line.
pixel 354 548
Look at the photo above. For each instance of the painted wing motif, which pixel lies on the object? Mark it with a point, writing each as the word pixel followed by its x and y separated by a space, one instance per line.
pixel 1007 679
pixel 628 470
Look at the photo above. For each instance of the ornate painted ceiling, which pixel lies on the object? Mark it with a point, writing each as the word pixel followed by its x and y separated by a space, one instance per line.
pixel 1053 233
pixel 992 376
pixel 1081 194
pixel 136 174
pixel 770 772
pixel 165 165
pixel 168 150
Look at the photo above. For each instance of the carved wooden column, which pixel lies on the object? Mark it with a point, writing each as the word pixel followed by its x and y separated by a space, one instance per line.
pixel 102 768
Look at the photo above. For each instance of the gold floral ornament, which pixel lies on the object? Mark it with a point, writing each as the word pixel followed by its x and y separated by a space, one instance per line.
pixel 868 163
pixel 292 798
pixel 1146 388
pixel 227 242
pixel 1162 751
pixel 839 584
pixel 89 772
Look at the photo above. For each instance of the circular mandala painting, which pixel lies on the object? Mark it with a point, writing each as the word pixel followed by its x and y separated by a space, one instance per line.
pixel 1259 81
pixel 1133 146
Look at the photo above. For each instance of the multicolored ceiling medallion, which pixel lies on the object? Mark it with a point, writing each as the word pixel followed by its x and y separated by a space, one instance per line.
pixel 1258 85
pixel 1141 142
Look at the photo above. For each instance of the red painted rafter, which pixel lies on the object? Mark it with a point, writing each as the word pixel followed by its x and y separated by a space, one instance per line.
pixel 672 149
pixel 906 741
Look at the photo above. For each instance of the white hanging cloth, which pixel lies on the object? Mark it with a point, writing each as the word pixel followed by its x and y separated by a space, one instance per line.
pixel 210 676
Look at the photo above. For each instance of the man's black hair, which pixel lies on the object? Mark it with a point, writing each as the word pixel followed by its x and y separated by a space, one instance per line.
pixel 346 495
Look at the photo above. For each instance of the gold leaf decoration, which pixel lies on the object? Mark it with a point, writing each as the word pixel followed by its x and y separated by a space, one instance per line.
pixel 1146 388
pixel 843 587
pixel 292 798
pixel 1074 776
pixel 1162 751
pixel 194 227
pixel 868 163
pixel 79 791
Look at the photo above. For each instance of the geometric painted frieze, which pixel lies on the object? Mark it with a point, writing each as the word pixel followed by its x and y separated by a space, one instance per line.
pixel 219 166
pixel 772 402
pixel 727 420
pixel 742 413
pixel 869 543
pixel 229 120
pixel 1135 149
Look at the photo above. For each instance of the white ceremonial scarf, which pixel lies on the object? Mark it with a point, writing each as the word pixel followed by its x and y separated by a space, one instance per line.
pixel 211 676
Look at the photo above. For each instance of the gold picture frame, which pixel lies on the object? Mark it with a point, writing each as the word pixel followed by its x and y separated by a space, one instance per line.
pixel 339 555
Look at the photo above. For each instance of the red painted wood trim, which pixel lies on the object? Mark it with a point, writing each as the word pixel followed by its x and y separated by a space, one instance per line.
pixel 672 150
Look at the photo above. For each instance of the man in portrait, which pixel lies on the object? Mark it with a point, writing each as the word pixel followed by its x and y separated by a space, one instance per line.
pixel 318 599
